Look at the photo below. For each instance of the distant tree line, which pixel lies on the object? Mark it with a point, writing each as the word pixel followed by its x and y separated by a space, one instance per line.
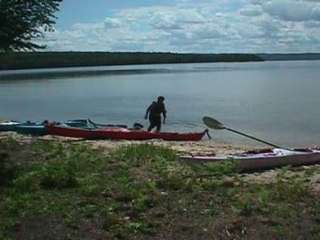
pixel 289 56
pixel 25 60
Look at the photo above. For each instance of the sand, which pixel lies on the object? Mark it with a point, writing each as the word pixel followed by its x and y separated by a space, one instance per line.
pixel 205 147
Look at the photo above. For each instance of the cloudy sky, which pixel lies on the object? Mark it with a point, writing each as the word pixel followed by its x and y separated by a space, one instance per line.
pixel 206 26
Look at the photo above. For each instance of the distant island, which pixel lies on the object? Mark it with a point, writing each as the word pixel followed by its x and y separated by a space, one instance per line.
pixel 29 60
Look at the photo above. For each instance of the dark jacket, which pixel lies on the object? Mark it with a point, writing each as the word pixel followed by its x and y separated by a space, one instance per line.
pixel 155 110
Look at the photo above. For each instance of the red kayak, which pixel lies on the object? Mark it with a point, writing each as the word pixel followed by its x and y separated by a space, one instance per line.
pixel 122 134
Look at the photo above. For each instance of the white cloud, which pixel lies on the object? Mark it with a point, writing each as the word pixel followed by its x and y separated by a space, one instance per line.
pixel 206 26
pixel 175 19
pixel 112 22
pixel 292 10
pixel 251 11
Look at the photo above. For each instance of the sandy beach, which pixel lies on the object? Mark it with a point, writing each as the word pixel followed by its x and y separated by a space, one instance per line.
pixel 204 147
pixel 68 177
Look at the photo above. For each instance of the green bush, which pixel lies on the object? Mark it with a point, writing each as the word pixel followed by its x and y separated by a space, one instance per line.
pixel 58 175
pixel 143 153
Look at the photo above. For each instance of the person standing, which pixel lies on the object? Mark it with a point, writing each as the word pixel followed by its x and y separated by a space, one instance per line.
pixel 154 112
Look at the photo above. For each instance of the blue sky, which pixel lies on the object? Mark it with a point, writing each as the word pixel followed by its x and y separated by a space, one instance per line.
pixel 75 11
pixel 206 26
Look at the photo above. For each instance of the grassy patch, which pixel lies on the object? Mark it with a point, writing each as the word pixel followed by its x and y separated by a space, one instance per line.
pixel 141 191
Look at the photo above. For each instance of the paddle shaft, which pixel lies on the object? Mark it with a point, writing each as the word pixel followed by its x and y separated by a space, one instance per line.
pixel 95 125
pixel 259 140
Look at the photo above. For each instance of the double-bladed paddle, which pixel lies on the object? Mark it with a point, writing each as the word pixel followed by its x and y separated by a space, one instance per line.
pixel 215 124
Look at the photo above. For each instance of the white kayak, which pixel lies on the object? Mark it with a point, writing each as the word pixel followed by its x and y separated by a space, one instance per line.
pixel 254 161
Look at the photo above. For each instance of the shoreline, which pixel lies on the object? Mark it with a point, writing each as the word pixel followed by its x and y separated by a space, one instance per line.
pixel 203 147
pixel 25 60
pixel 133 189
pixel 39 60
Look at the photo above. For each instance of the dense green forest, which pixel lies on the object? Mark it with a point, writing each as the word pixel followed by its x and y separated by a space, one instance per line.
pixel 289 56
pixel 25 60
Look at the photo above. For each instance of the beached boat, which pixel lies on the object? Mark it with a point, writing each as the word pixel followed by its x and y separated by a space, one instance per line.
pixel 8 126
pixel 117 133
pixel 253 161
pixel 40 128
pixel 28 127
pixel 87 123
pixel 34 129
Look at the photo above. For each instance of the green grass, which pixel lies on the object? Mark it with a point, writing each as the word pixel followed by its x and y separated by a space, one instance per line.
pixel 141 191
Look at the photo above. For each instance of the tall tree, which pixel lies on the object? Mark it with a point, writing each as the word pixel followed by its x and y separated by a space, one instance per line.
pixel 22 21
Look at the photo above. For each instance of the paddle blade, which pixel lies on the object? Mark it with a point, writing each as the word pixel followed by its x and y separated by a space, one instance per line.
pixel 212 123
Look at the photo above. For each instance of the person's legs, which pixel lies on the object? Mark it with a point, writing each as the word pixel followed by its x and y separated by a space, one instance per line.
pixel 150 127
pixel 155 122
pixel 152 124
pixel 158 125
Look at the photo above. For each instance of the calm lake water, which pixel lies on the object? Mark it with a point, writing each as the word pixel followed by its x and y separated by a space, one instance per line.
pixel 276 101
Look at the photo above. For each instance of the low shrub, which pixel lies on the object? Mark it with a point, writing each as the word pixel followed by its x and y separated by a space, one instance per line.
pixel 8 170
